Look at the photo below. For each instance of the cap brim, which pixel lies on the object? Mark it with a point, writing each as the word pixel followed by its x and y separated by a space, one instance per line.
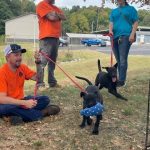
pixel 20 50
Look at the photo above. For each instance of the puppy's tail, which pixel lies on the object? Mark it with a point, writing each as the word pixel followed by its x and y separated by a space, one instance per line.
pixel 99 66
pixel 82 78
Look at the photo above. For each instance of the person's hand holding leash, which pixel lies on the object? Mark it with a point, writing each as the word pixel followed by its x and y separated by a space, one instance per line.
pixel 29 103
pixel 37 57
pixel 132 38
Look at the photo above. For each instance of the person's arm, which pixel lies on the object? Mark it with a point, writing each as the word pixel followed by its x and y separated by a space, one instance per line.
pixel 34 77
pixel 53 16
pixel 134 28
pixel 61 16
pixel 4 99
pixel 111 28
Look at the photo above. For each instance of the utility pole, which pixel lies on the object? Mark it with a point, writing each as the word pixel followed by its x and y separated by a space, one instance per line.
pixel 92 26
pixel 97 18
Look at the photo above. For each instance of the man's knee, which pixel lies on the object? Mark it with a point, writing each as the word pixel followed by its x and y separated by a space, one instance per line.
pixel 44 99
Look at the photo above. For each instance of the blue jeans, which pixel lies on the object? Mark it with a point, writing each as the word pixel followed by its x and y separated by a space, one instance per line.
pixel 121 51
pixel 27 115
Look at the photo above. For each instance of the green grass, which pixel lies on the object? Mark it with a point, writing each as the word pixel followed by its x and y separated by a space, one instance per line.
pixel 123 124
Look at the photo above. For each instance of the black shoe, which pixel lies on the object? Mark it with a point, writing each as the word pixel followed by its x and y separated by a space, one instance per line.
pixel 120 83
pixel 16 120
pixel 51 110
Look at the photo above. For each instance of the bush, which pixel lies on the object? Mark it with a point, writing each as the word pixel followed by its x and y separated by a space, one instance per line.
pixel 2 39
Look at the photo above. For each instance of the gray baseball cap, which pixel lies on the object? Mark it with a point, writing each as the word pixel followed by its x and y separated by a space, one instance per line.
pixel 13 48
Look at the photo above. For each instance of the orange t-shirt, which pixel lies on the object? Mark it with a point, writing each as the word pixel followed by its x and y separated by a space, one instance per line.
pixel 12 83
pixel 48 28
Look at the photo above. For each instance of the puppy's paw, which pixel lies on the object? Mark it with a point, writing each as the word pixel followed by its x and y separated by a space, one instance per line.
pixel 89 121
pixel 95 132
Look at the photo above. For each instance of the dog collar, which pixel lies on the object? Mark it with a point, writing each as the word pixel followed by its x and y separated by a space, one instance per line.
pixel 92 111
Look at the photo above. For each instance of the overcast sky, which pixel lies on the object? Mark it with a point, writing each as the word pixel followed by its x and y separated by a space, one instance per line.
pixel 70 3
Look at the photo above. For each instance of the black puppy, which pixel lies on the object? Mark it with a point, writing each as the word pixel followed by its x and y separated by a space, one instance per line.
pixel 108 80
pixel 90 98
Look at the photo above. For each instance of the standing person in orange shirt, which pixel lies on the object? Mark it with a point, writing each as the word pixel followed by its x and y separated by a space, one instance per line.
pixel 12 100
pixel 50 18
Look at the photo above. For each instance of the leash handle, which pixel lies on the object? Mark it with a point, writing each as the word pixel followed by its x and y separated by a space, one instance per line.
pixel 48 58
pixel 147 125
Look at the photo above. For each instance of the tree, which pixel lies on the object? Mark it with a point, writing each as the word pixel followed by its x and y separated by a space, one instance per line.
pixel 13 8
pixel 143 2
pixel 5 13
pixel 27 6
pixel 79 23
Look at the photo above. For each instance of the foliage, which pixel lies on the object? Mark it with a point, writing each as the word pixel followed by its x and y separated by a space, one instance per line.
pixel 85 20
pixel 144 18
pixel 13 8
pixel 79 19
pixel 2 39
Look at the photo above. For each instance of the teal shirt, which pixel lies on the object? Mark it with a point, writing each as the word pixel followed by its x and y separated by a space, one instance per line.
pixel 120 25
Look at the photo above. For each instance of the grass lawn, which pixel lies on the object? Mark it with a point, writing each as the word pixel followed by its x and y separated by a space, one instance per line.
pixel 123 125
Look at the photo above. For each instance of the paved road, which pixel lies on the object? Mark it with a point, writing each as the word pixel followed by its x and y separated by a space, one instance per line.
pixel 135 49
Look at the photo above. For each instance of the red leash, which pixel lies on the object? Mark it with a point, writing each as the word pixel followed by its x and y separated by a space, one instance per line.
pixel 112 45
pixel 35 88
pixel 48 58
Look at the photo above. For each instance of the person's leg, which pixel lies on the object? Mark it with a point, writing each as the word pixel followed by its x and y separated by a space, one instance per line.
pixel 116 53
pixel 43 105
pixel 26 114
pixel 53 53
pixel 124 47
pixel 42 64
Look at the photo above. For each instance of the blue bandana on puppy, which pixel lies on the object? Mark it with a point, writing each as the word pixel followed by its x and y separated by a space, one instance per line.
pixel 92 111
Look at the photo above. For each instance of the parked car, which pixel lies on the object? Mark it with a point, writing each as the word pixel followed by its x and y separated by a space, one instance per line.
pixel 63 42
pixel 89 42
pixel 108 42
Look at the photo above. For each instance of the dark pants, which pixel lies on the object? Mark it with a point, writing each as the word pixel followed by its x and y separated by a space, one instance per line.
pixel 121 51
pixel 27 115
pixel 50 47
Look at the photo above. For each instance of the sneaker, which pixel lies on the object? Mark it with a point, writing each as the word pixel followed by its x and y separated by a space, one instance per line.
pixel 41 86
pixel 16 120
pixel 51 110
pixel 54 85
pixel 120 83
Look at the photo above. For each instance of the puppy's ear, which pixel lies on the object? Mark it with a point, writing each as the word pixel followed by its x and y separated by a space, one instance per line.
pixel 106 68
pixel 82 94
pixel 116 65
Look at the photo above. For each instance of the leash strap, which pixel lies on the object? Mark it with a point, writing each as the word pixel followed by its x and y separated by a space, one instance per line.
pixel 48 58
pixel 147 125
pixel 36 88
pixel 112 45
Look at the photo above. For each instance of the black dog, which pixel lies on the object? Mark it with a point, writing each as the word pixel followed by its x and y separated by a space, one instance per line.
pixel 90 97
pixel 108 80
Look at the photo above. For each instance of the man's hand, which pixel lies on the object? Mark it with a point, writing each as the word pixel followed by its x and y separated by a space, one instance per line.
pixel 29 103
pixel 37 57
pixel 132 37
pixel 61 16
pixel 111 33
pixel 54 16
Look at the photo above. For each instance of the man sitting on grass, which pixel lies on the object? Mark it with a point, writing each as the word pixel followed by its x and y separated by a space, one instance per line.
pixel 12 100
